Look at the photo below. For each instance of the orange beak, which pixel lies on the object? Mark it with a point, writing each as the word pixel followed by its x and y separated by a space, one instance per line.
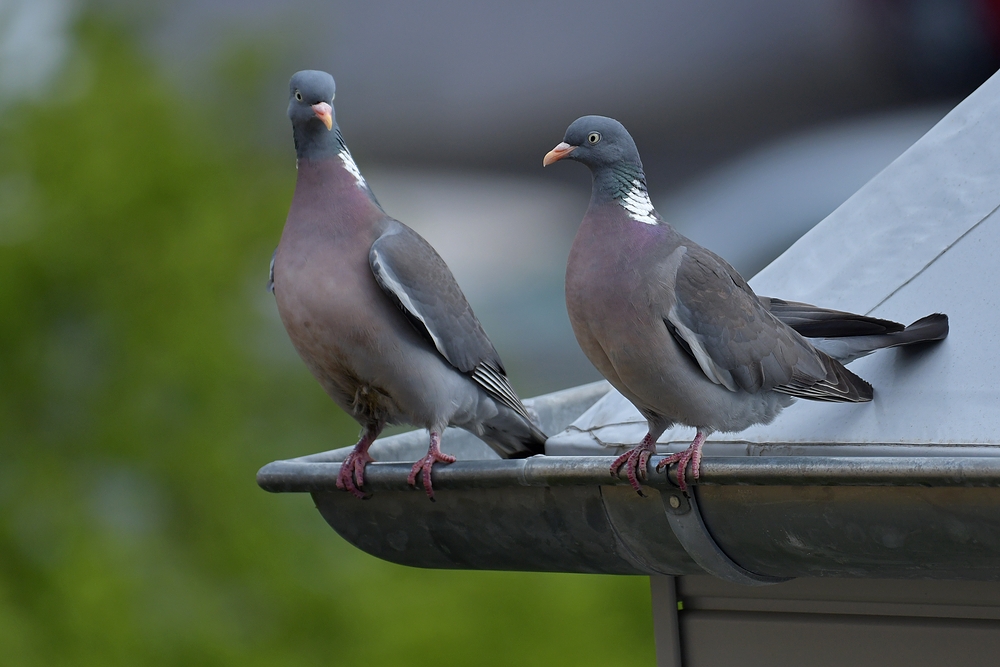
pixel 557 153
pixel 324 112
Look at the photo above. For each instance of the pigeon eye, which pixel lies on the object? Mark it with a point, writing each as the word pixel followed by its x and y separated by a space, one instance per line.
pixel 298 96
pixel 594 137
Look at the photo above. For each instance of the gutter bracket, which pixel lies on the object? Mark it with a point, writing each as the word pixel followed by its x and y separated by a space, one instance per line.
pixel 688 525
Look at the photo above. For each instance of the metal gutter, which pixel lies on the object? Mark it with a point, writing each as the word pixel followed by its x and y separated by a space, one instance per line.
pixel 545 471
pixel 752 520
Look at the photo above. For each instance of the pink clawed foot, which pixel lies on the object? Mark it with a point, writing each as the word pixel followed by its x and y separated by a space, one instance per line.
pixel 352 471
pixel 690 455
pixel 635 460
pixel 434 455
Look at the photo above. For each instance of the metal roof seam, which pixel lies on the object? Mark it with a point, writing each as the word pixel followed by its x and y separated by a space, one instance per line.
pixel 936 258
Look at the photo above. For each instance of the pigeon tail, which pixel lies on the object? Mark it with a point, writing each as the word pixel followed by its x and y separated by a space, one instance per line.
pixel 846 349
pixel 512 436
pixel 815 322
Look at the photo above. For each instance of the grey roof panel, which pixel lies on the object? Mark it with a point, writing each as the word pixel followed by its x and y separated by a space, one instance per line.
pixel 901 220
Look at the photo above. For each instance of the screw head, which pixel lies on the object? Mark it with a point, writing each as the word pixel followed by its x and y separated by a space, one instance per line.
pixel 675 502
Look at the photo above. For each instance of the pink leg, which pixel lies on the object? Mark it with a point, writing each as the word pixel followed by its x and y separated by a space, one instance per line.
pixel 690 455
pixel 352 470
pixel 433 455
pixel 635 460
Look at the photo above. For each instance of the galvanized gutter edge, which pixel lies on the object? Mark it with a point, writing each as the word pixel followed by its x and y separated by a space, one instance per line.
pixel 297 476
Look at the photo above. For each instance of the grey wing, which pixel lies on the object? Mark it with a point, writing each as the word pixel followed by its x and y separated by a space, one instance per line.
pixel 410 271
pixel 739 344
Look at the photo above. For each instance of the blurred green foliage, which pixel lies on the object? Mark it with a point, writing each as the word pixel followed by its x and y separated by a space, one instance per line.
pixel 143 380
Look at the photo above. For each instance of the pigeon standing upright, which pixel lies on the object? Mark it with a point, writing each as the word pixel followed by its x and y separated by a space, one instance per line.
pixel 679 332
pixel 374 311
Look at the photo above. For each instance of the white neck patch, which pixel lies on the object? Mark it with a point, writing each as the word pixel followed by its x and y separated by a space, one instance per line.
pixel 637 203
pixel 350 166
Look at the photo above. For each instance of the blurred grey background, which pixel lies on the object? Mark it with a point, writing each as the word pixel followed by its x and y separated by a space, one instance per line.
pixel 754 119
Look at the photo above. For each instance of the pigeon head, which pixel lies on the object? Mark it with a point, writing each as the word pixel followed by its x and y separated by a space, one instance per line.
pixel 596 141
pixel 310 108
pixel 606 147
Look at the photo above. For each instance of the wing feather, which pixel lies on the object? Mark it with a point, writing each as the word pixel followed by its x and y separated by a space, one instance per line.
pixel 738 343
pixel 412 273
